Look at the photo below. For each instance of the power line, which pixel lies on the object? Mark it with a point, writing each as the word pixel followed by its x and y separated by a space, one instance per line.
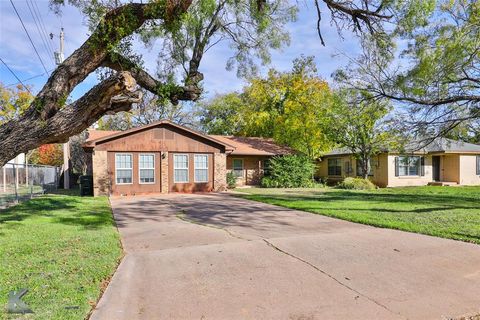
pixel 42 24
pixel 40 33
pixel 28 79
pixel 28 35
pixel 11 71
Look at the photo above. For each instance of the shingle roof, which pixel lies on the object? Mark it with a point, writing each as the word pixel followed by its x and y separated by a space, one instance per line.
pixel 254 146
pixel 438 145
pixel 237 145
pixel 97 134
pixel 445 145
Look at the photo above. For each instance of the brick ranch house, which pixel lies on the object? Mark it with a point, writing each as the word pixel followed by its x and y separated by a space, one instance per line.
pixel 442 162
pixel 165 157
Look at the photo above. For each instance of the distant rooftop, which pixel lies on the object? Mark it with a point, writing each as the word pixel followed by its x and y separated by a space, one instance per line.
pixel 438 145
pixel 254 145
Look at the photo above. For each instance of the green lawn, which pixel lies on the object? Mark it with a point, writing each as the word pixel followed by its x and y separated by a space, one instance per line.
pixel 63 249
pixel 449 212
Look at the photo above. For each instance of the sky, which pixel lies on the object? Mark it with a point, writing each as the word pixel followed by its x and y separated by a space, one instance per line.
pixel 20 56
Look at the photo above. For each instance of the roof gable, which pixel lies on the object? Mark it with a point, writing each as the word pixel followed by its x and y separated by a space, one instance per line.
pixel 99 138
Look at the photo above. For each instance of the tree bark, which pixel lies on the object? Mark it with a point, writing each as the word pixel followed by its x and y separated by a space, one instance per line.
pixel 112 95
pixel 48 120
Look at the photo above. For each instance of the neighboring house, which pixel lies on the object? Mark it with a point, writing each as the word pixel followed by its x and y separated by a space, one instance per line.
pixel 165 157
pixel 442 162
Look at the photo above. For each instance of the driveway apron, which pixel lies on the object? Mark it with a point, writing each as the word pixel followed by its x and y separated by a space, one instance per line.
pixel 220 257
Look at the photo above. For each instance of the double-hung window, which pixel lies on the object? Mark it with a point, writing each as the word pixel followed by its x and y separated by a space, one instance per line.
pixel 201 167
pixel 408 166
pixel 238 168
pixel 335 167
pixel 180 168
pixel 146 167
pixel 123 168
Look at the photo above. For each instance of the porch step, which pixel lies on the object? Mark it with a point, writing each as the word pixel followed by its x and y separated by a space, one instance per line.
pixel 442 183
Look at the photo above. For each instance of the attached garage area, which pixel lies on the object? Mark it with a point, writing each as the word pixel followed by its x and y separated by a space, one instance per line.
pixel 165 157
pixel 158 158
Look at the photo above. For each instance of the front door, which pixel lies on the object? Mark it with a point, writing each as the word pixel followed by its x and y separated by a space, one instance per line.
pixel 436 168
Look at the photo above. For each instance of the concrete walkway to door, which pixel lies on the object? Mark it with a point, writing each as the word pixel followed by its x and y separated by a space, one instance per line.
pixel 219 257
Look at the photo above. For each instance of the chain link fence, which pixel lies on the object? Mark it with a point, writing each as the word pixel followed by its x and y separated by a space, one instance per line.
pixel 20 182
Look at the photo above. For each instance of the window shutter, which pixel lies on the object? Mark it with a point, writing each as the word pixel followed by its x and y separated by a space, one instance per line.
pixel 422 166
pixel 396 167
pixel 478 165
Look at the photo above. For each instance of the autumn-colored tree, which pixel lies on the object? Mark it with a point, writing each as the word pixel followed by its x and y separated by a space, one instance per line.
pixel 13 101
pixel 290 107
pixel 50 154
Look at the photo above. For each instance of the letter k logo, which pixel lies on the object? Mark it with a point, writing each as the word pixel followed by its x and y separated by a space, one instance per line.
pixel 15 305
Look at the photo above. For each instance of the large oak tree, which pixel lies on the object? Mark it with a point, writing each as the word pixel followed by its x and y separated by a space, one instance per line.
pixel 188 29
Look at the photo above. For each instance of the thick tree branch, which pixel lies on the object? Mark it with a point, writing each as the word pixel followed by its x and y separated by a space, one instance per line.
pixel 144 79
pixel 360 16
pixel 47 119
pixel 115 94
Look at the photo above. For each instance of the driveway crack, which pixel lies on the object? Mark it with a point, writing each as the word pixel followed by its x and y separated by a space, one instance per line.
pixel 330 276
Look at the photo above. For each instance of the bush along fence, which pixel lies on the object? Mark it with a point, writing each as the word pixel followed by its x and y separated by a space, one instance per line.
pixel 20 182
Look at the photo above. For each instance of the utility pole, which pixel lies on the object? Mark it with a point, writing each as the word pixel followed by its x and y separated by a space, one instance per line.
pixel 59 57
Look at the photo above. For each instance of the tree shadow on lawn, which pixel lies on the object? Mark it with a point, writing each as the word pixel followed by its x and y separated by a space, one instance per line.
pixel 450 201
pixel 69 211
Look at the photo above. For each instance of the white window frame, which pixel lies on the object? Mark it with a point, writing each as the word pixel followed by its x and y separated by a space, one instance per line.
pixel 243 168
pixel 116 169
pixel 187 168
pixel 140 168
pixel 195 168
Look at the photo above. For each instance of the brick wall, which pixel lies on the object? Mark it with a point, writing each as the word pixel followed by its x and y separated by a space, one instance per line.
pixel 164 172
pixel 220 171
pixel 101 179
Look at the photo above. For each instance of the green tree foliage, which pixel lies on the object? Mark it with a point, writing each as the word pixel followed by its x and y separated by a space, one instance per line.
pixel 290 171
pixel 13 102
pixel 358 124
pixel 289 107
pixel 467 131
pixel 224 114
pixel 435 78
pixel 251 31
pixel 231 180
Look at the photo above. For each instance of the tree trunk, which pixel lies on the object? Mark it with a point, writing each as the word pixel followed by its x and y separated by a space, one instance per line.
pixel 49 120
pixel 114 94
pixel 365 165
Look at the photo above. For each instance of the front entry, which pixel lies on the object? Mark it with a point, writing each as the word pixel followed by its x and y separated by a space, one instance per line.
pixel 436 168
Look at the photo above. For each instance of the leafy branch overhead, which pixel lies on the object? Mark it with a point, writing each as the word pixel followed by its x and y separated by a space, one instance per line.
pixel 186 27
pixel 187 30
pixel 433 80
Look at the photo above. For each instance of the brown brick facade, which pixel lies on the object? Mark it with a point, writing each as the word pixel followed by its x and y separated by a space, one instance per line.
pixel 252 168
pixel 164 172
pixel 101 177
pixel 220 172
pixel 209 160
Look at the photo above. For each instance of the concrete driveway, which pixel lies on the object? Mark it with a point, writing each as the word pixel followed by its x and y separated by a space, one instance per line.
pixel 219 257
